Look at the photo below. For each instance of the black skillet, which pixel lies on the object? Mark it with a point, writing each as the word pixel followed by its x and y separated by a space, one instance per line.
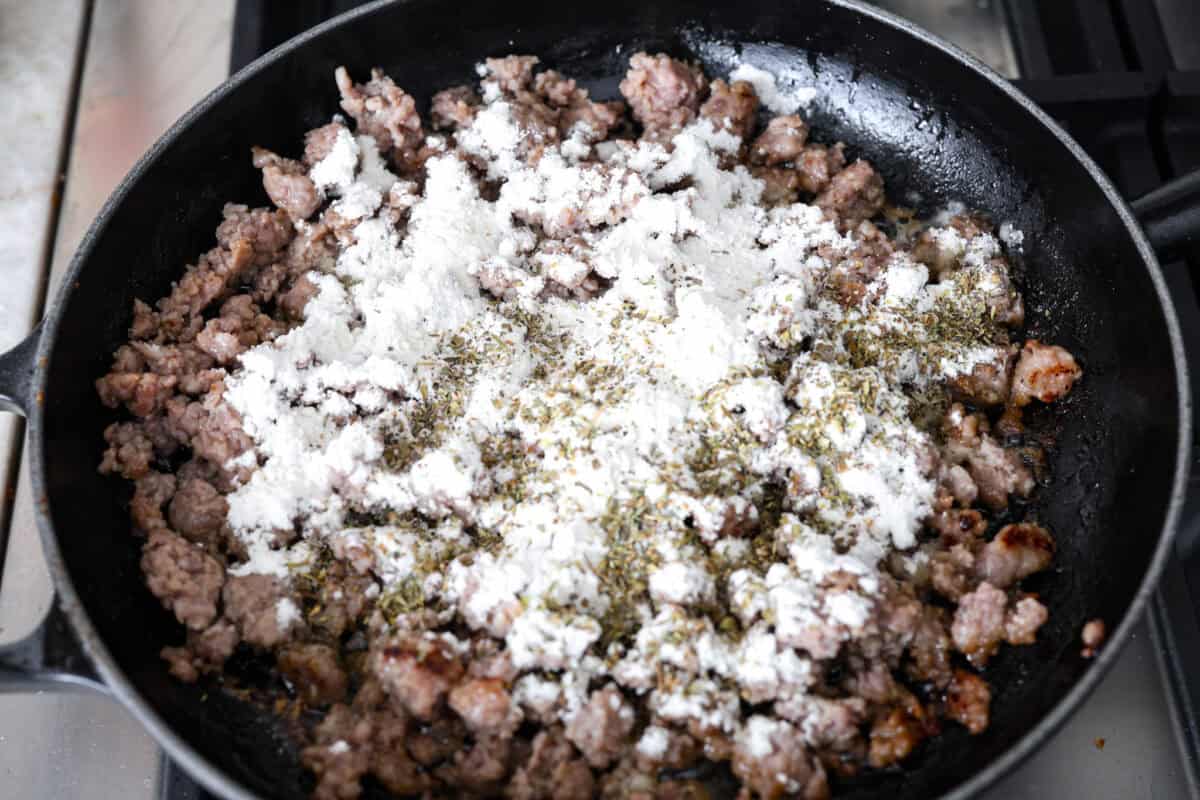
pixel 939 125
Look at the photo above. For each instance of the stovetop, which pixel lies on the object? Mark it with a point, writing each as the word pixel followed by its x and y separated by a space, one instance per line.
pixel 1122 75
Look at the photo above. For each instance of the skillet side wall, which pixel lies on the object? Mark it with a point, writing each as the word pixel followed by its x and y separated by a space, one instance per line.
pixel 936 130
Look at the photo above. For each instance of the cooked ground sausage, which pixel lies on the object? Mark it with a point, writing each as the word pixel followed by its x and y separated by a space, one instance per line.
pixel 782 142
pixel 1043 372
pixel 186 579
pixel 413 698
pixel 853 195
pixel 663 94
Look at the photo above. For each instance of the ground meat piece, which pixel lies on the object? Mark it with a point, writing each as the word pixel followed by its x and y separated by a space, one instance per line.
pixel 780 185
pixel 997 472
pixel 183 577
pixel 551 771
pixel 1093 636
pixel 511 73
pixel 314 248
pixel 293 301
pixel 988 382
pixel 213 429
pixel 578 115
pixel 958 525
pixel 268 282
pixel 853 195
pixel 1009 425
pixel 201 286
pixel 198 510
pixel 342 600
pixel 384 112
pixel 204 470
pixel 1016 552
pixel 628 780
pixel 318 143
pixel 662 93
pixel 1044 372
pixel 681 752
pixel 874 683
pixel 130 451
pixel 416 671
pixel 150 493
pixel 252 603
pixel 600 729
pixel 979 623
pixel 731 107
pixel 341 755
pixel 952 572
pixel 143 393
pixel 968 700
pixel 1022 623
pixel 779 765
pixel 489 661
pixel 239 327
pixel 591 120
pixel 179 664
pixel 557 89
pixel 287 184
pixel 436 742
pixel 501 280
pixel 827 723
pixel 1003 302
pixel 941 248
pixel 193 368
pixel 899 613
pixel 852 273
pixel 485 706
pixel 204 652
pixel 128 359
pixel 930 648
pixel 266 232
pixel 957 483
pixel 145 322
pixel 931 249
pixel 968 226
pixel 782 142
pixel 538 120
pixel 893 737
pixel 483 765
pixel 173 359
pixel 453 108
pixel 817 165
pixel 314 673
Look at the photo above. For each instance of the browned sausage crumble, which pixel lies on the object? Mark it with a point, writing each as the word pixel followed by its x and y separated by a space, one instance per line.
pixel 803 588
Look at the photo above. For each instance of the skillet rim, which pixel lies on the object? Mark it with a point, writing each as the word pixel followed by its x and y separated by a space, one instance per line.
pixel 221 783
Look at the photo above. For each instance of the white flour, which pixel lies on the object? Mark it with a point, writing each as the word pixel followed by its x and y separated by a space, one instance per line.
pixel 787 100
pixel 577 449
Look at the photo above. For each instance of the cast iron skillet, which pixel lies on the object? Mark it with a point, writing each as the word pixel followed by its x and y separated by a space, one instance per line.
pixel 939 125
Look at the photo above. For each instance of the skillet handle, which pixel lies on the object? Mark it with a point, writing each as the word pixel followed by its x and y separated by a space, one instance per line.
pixel 16 374
pixel 50 658
pixel 1170 215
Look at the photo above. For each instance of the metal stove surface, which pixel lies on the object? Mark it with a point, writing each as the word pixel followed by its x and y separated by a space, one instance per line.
pixel 114 74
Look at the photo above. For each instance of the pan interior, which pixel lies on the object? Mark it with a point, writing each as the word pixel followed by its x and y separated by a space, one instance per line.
pixel 937 131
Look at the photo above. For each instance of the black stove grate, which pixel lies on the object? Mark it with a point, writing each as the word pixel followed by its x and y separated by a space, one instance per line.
pixel 1123 77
